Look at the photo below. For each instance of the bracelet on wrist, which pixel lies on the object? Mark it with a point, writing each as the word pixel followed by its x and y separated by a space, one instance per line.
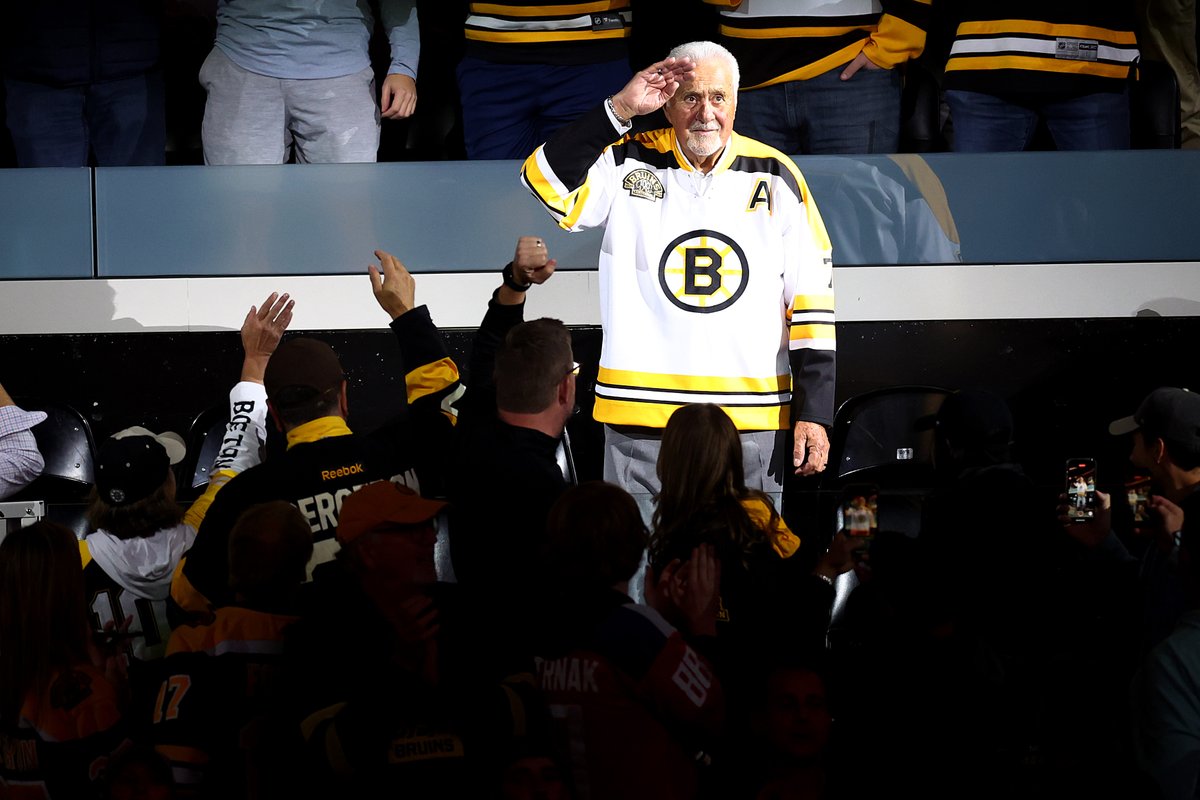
pixel 511 281
pixel 625 123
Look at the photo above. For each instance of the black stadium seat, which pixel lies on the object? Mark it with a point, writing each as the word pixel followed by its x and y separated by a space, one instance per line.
pixel 69 450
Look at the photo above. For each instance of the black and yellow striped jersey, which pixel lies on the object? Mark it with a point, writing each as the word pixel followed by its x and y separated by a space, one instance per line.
pixel 216 680
pixel 1063 46
pixel 326 461
pixel 714 288
pixel 793 40
pixel 525 32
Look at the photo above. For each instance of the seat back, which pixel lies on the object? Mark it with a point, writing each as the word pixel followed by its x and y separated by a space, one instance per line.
pixel 69 450
pixel 885 437
pixel 66 444
pixel 203 443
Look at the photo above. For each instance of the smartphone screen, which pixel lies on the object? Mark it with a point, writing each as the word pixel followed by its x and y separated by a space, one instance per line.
pixel 1081 489
pixel 1137 494
pixel 859 511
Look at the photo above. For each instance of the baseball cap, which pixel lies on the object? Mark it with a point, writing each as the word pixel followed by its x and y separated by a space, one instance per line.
pixel 1173 414
pixel 300 369
pixel 132 465
pixel 386 507
pixel 171 441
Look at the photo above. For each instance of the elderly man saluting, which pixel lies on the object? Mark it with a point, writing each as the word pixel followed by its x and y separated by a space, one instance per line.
pixel 715 272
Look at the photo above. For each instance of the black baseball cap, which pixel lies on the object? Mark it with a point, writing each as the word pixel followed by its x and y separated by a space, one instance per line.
pixel 1173 414
pixel 130 468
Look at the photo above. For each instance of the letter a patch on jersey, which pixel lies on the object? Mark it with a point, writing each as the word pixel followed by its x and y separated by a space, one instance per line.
pixel 760 196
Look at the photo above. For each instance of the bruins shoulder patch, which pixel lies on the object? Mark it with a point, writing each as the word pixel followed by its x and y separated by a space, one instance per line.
pixel 644 184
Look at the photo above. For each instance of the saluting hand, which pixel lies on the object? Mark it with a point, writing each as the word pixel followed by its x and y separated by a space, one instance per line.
pixel 650 89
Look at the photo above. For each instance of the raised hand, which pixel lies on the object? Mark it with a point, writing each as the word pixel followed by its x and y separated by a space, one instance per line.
pixel 394 287
pixel 261 331
pixel 841 556
pixel 532 262
pixel 688 594
pixel 700 595
pixel 650 89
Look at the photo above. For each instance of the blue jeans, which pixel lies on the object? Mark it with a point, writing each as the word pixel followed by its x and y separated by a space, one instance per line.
pixel 825 115
pixel 986 123
pixel 122 122
pixel 510 109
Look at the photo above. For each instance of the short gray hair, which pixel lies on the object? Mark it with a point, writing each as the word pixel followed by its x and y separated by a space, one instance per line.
pixel 702 51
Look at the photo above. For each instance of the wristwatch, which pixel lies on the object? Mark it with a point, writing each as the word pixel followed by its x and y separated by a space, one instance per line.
pixel 511 282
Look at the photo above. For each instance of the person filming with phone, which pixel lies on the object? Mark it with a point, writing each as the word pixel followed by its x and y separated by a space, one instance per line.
pixel 1165 442
pixel 1166 726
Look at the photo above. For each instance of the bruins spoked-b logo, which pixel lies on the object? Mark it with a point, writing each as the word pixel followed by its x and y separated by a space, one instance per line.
pixel 644 184
pixel 703 271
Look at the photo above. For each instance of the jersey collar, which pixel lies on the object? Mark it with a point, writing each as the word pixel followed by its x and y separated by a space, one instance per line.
pixel 315 429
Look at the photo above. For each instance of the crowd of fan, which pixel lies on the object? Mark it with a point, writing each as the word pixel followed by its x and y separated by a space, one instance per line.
pixel 431 609
pixel 133 83
pixel 299 630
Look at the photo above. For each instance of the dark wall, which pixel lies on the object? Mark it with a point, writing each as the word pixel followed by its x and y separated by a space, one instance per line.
pixel 1064 379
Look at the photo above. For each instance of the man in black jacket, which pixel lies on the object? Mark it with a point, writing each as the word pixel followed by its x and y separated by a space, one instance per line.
pixel 505 478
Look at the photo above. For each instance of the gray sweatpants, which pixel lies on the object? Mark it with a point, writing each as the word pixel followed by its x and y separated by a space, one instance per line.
pixel 254 119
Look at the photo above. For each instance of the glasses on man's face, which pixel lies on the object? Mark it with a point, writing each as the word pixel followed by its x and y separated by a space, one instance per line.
pixel 574 368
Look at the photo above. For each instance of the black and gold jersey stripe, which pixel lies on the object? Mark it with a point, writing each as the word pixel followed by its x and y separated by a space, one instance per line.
pixel 786 40
pixel 558 33
pixel 1068 47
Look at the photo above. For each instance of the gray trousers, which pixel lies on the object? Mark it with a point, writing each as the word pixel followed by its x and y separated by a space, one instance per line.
pixel 254 119
pixel 631 459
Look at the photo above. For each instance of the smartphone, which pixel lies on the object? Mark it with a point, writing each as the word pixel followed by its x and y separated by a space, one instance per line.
pixel 1137 494
pixel 1081 489
pixel 858 514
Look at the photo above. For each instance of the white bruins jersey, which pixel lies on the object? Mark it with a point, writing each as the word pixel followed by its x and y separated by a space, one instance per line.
pixel 714 288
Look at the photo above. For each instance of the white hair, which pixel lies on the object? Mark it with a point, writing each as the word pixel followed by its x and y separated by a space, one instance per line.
pixel 702 51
